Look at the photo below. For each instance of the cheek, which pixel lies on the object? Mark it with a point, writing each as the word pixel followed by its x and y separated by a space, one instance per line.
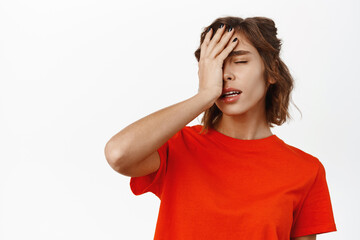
pixel 251 70
pixel 254 84
pixel 255 91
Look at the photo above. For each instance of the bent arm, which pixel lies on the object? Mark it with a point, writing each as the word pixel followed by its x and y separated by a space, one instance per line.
pixel 142 138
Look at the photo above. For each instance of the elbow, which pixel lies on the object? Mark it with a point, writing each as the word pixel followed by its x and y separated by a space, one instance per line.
pixel 113 156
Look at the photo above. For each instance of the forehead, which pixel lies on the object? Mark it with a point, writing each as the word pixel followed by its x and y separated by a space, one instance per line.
pixel 243 48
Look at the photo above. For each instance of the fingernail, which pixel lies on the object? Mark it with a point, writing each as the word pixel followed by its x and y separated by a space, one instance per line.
pixel 221 25
pixel 209 29
pixel 230 28
pixel 234 39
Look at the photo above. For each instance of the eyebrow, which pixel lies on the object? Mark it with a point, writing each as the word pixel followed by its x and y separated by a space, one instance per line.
pixel 238 53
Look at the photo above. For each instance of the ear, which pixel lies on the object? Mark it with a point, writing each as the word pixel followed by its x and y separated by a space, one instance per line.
pixel 276 69
pixel 271 81
pixel 268 83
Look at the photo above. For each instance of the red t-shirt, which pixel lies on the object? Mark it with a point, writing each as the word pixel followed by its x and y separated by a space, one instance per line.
pixel 213 186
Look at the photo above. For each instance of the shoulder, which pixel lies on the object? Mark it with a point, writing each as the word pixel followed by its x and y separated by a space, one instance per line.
pixel 187 133
pixel 191 134
pixel 301 158
pixel 191 130
pixel 303 167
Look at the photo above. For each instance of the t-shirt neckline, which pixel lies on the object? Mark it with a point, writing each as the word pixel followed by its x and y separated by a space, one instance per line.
pixel 262 143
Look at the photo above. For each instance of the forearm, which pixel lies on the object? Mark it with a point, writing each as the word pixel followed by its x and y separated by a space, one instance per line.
pixel 141 138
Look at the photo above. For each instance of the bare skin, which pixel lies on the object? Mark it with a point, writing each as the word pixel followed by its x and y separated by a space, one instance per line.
pixel 245 118
pixel 133 150
pixel 308 237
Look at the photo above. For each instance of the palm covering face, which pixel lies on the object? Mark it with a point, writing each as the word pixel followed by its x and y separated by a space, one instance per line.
pixel 212 55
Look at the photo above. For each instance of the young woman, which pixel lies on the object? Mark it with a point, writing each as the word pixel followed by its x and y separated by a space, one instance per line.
pixel 231 177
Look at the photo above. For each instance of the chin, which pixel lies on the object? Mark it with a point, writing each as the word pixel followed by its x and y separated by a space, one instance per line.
pixel 231 109
pixel 233 113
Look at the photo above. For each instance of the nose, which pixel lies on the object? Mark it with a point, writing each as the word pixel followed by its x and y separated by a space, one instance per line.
pixel 227 75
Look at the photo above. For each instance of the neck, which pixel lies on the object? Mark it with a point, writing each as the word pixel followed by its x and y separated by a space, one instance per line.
pixel 243 127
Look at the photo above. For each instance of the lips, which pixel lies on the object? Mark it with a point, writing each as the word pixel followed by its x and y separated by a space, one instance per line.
pixel 225 90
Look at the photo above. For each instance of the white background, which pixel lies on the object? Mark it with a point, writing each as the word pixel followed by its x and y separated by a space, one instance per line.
pixel 75 72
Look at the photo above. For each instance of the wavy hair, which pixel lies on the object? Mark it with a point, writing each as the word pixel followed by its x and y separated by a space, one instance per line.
pixel 261 33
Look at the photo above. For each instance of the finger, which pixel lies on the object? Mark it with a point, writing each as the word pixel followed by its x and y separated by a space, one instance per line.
pixel 223 42
pixel 215 40
pixel 205 43
pixel 221 57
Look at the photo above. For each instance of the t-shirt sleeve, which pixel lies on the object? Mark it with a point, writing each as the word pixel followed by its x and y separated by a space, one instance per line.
pixel 152 182
pixel 315 215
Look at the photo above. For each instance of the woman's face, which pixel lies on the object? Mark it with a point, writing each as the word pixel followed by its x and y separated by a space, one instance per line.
pixel 244 72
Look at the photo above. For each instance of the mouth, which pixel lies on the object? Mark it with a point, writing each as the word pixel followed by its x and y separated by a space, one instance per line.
pixel 231 93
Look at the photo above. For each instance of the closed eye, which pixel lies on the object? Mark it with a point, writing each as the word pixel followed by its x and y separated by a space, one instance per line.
pixel 241 62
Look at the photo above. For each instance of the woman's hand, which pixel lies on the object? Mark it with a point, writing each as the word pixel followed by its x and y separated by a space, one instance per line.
pixel 212 55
